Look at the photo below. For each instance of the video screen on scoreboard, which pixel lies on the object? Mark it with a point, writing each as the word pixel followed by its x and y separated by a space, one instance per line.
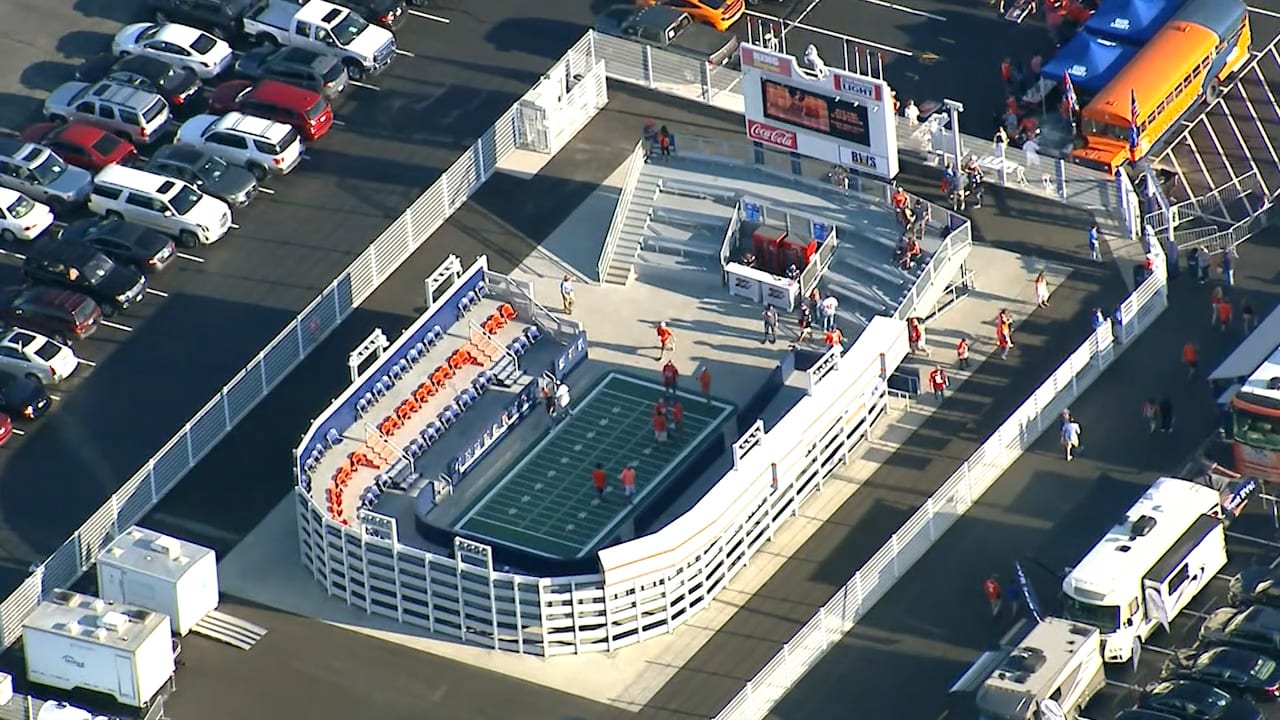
pixel 819 113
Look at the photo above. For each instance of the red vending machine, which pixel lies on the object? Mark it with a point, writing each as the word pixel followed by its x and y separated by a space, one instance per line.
pixel 767 245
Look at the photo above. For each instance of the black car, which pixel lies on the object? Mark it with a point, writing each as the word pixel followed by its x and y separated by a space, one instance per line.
pixel 223 18
pixel 1258 585
pixel 1243 672
pixel 209 173
pixel 178 86
pixel 1189 700
pixel 300 67
pixel 124 242
pixel 79 267
pixel 22 397
pixel 1253 628
pixel 387 13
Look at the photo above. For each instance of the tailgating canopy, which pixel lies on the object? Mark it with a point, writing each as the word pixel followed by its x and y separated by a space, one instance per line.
pixel 1090 61
pixel 1131 21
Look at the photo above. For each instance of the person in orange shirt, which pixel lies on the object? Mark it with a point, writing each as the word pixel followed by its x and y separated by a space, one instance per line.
pixel 677 417
pixel 704 380
pixel 1191 357
pixel 628 478
pixel 660 427
pixel 600 482
pixel 1224 314
pixel 834 338
pixel 666 341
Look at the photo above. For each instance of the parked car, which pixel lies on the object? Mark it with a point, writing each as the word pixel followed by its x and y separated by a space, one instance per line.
pixel 667 28
pixel 719 14
pixel 64 315
pixel 79 267
pixel 22 397
pixel 222 18
pixel 36 357
pixel 180 45
pixel 147 250
pixel 209 173
pixel 1189 700
pixel 128 111
pixel 1252 628
pixel 387 13
pixel 166 204
pixel 6 428
pixel 299 67
pixel 22 218
pixel 177 85
pixel 306 111
pixel 38 172
pixel 261 146
pixel 1243 672
pixel 81 144
pixel 1258 585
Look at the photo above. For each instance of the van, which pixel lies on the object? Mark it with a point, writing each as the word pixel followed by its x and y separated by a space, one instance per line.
pixel 166 204
pixel 133 113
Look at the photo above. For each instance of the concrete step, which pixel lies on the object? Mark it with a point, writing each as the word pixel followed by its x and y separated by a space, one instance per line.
pixel 228 629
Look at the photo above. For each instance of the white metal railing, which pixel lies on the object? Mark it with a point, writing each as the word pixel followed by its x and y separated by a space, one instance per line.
pixel 167 467
pixel 951 501
pixel 634 165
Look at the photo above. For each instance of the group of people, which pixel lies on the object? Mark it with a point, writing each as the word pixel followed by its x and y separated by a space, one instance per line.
pixel 659 140
pixel 965 185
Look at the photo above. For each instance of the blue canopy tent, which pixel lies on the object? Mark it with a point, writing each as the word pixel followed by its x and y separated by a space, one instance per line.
pixel 1133 22
pixel 1091 62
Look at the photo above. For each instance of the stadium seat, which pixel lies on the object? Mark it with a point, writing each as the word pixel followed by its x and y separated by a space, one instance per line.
pixel 532 333
pixel 424 392
pixel 362 407
pixel 414 356
pixel 382 387
pixel 507 311
pixel 478 386
pixel 433 431
pixel 435 335
pixel 464 304
pixel 404 366
pixel 333 437
pixel 389 425
pixel 381 481
pixel 415 448
pixel 448 416
pixel 309 466
pixel 464 399
pixel 360 458
pixel 406 409
pixel 486 378
pixel 306 484
pixel 481 290
pixel 396 372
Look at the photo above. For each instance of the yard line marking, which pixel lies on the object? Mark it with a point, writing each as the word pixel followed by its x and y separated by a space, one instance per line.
pixel 1250 538
pixel 89 363
pixel 158 293
pixel 11 253
pixel 366 86
pixel 266 191
pixel 188 256
pixel 117 326
pixel 904 8
pixel 406 53
pixel 429 16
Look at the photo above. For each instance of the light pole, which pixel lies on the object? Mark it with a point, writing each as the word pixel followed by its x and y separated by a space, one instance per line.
pixel 955 108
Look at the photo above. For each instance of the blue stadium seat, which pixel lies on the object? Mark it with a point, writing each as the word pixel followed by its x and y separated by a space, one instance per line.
pixel 472 298
pixel 404 365
pixel 434 336
pixel 478 385
pixel 415 448
pixel 464 304
pixel 469 395
pixel 362 406
pixel 382 387
pixel 485 378
pixel 306 484
pixel 519 346
pixel 397 371
pixel 481 290
pixel 532 333
pixel 448 416
pixel 318 451
pixel 414 356
pixel 369 398
pixel 464 399
pixel 333 437
pixel 433 430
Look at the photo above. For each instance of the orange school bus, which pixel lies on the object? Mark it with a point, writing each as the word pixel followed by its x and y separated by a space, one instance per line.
pixel 1188 59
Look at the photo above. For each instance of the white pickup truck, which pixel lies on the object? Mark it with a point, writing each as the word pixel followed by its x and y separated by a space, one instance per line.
pixel 324 28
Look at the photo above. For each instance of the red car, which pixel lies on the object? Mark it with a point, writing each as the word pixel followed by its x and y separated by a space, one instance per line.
pixel 81 144
pixel 6 428
pixel 308 112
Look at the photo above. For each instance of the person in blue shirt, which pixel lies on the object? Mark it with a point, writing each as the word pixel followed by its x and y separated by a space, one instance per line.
pixel 1095 253
pixel 1098 319
pixel 1228 268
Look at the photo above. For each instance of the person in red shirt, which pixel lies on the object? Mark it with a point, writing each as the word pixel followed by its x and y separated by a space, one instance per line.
pixel 938 381
pixel 1224 314
pixel 704 380
pixel 991 591
pixel 962 353
pixel 677 416
pixel 1191 357
pixel 660 427
pixel 660 407
pixel 666 340
pixel 600 482
pixel 670 376
pixel 628 478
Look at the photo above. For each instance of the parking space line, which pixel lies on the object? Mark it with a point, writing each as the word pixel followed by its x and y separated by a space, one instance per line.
pixel 1257 121
pixel 429 16
pixel 1126 686
pixel 1248 154
pixel 406 53
pixel 117 326
pixel 1260 11
pixel 1193 613
pixel 1157 648
pixel 336 123
pixel 266 191
pixel 1267 86
pixel 364 85
pixel 904 8
pixel 1195 153
pixel 18 432
pixel 1177 170
pixel 1226 162
pixel 1250 538
pixel 157 293
pixel 188 256
pixel 1220 576
pixel 234 226
pixel 11 253
pixel 55 397
pixel 87 363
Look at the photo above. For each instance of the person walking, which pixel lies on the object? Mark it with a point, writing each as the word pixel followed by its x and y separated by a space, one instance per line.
pixel 670 378
pixel 1095 251
pixel 912 113
pixel 1166 414
pixel 914 333
pixel 1070 437
pixel 1003 340
pixel 548 398
pixel 805 323
pixel 1191 358
pixel 962 353
pixel 666 341
pixel 770 316
pixel 938 381
pixel 1193 263
pixel 665 141
pixel 1151 413
pixel 1246 314
pixel 600 482
pixel 660 427
pixel 827 311
pixel 1042 290
pixel 1228 267
pixel 1223 313
pixel 834 338
pixel 704 382
pixel 566 294
pixel 677 418
pixel 992 592
pixel 628 478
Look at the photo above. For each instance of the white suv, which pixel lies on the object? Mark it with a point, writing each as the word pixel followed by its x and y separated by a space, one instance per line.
pixel 263 146
pixel 167 204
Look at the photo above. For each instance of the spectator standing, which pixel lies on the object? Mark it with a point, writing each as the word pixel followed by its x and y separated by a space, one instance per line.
pixel 1228 267
pixel 1031 149
pixel 962 353
pixel 670 377
pixel 677 417
pixel 566 294
pixel 805 323
pixel 1042 290
pixel 1070 437
pixel 938 381
pixel 834 338
pixel 600 482
pixel 665 141
pixel 1193 263
pixel 1166 414
pixel 827 311
pixel 660 427
pixel 770 316
pixel 1097 319
pixel 666 341
pixel 1151 414
pixel 923 213
pixel 1004 340
pixel 1223 313
pixel 1191 358
pixel 1001 140
pixel 911 113
pixel 548 398
pixel 992 592
pixel 1095 251
pixel 628 478
pixel 704 382
pixel 1246 314
pixel 562 400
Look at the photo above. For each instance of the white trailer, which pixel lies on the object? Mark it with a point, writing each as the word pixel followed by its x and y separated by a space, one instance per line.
pixel 73 641
pixel 161 573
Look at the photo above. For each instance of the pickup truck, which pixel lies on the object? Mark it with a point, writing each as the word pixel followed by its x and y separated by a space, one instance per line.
pixel 667 28
pixel 324 28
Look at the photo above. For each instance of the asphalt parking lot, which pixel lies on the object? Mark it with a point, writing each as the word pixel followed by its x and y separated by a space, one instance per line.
pixel 223 303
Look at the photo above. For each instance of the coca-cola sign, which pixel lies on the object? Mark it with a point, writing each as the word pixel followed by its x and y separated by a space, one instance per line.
pixel 771 135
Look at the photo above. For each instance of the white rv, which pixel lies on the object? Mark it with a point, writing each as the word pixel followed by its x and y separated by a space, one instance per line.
pixel 1147 568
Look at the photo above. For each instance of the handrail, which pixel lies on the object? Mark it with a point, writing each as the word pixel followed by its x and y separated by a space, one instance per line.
pixel 634 165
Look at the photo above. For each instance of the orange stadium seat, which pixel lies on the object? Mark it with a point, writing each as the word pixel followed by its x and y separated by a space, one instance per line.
pixel 360 458
pixel 508 312
pixel 389 425
pixel 406 410
pixel 424 393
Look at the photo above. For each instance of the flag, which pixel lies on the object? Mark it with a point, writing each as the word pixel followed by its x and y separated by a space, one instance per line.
pixel 1069 92
pixel 1133 127
pixel 1028 593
